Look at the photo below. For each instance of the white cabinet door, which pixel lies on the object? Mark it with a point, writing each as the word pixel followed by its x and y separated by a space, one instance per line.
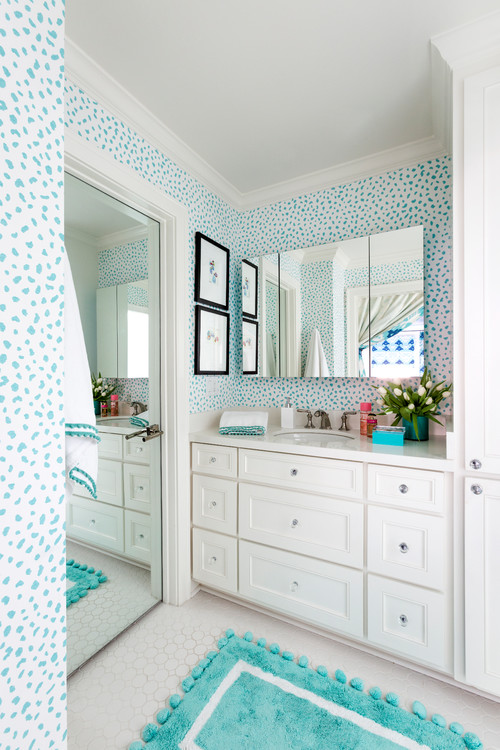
pixel 137 536
pixel 314 590
pixel 482 583
pixel 215 504
pixel 312 525
pixel 215 459
pixel 215 560
pixel 136 450
pixel 93 522
pixel 137 487
pixel 407 488
pixel 482 268
pixel 109 482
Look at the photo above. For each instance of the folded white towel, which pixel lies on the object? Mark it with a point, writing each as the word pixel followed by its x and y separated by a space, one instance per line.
pixel 140 420
pixel 316 364
pixel 81 432
pixel 244 419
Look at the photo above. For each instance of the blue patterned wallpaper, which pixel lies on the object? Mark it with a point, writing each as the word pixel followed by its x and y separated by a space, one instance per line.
pixel 32 540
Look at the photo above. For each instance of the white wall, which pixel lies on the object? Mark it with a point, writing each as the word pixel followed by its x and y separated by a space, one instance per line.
pixel 83 257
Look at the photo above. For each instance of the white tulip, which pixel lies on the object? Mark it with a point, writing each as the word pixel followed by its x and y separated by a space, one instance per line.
pixel 441 387
pixel 433 407
pixel 99 380
pixel 397 381
pixel 379 402
pixel 411 407
pixel 421 391
pixel 406 396
pixel 446 394
pixel 398 392
pixel 382 390
pixel 429 400
pixel 429 384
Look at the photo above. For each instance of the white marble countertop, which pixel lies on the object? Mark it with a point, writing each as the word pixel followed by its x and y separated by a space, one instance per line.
pixel 430 454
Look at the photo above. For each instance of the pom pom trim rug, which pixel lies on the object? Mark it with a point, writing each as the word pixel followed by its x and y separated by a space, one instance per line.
pixel 83 578
pixel 251 695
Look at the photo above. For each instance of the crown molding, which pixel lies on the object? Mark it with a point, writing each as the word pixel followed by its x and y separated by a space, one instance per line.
pixel 85 73
pixel 124 236
pixel 466 44
pixel 78 235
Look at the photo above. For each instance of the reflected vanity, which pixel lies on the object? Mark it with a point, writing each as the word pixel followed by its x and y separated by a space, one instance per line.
pixel 347 309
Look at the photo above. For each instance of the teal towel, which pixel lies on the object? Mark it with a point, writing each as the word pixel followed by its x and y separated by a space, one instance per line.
pixel 138 422
pixel 243 430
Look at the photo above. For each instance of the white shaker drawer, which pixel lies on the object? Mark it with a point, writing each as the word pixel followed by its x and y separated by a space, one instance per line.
pixel 309 524
pixel 215 504
pixel 407 619
pixel 136 487
pixel 110 446
pixel 215 560
pixel 407 488
pixel 138 536
pixel 215 459
pixel 136 450
pixel 325 475
pixel 97 524
pixel 109 482
pixel 320 592
pixel 408 546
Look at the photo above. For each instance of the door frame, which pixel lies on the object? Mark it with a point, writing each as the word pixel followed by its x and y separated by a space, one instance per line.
pixel 98 168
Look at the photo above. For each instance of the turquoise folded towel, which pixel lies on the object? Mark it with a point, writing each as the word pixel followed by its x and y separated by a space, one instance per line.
pixel 138 421
pixel 243 430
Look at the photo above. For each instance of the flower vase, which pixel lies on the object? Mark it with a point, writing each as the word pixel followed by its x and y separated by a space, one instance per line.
pixel 97 408
pixel 422 426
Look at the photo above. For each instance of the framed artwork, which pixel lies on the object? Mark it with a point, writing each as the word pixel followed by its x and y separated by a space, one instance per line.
pixel 249 288
pixel 211 273
pixel 250 331
pixel 211 342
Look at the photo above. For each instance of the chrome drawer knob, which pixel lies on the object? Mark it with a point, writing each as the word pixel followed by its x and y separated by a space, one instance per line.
pixel 92 522
pixel 403 488
pixel 403 620
pixel 294 586
pixel 403 547
pixel 294 472
pixel 138 449
pixel 140 488
pixel 476 489
pixel 212 459
pixel 212 504
pixel 141 536
pixel 212 560
pixel 475 463
pixel 295 522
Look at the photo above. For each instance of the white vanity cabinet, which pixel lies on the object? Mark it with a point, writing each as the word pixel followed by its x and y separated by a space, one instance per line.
pixel 357 548
pixel 119 520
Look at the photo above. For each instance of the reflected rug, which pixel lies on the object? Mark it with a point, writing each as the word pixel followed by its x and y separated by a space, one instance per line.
pixel 83 579
pixel 250 696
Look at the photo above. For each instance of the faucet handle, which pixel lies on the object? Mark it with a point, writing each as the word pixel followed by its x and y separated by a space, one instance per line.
pixel 309 425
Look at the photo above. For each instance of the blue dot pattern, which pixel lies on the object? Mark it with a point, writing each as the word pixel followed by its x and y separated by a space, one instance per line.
pixel 405 197
pixel 32 551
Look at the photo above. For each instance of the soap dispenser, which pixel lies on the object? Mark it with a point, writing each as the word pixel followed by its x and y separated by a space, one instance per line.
pixel 287 414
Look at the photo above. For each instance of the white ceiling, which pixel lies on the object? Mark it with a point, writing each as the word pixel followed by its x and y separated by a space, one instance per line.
pixel 266 91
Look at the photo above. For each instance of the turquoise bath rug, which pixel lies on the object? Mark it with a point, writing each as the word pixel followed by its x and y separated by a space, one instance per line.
pixel 250 696
pixel 83 579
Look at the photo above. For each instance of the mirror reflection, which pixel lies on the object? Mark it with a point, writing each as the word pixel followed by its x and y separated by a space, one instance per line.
pixel 347 309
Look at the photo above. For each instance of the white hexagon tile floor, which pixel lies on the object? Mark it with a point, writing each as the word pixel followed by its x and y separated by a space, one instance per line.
pixel 106 611
pixel 114 695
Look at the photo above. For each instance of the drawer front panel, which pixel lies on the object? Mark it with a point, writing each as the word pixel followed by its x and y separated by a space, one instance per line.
pixel 138 536
pixel 137 451
pixel 215 459
pixel 408 546
pixel 110 482
pixel 326 475
pixel 96 524
pixel 309 524
pixel 136 487
pixel 406 488
pixel 215 504
pixel 407 619
pixel 326 594
pixel 215 560
pixel 111 446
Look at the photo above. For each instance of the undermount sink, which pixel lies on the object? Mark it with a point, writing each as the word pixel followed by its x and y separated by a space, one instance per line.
pixel 306 437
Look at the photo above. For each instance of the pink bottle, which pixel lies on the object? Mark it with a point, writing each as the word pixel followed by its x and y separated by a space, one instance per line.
pixel 114 405
pixel 365 408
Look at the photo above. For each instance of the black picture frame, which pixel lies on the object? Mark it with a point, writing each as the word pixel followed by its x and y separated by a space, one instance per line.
pixel 211 262
pixel 206 322
pixel 252 367
pixel 249 306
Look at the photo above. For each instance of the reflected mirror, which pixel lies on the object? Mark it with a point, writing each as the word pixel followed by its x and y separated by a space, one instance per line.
pixel 346 309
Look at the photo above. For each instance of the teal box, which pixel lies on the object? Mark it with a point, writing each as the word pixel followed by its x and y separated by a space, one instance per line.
pixel 388 438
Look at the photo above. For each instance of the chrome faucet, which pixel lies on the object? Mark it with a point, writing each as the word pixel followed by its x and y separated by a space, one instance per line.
pixel 309 425
pixel 138 407
pixel 325 419
pixel 343 420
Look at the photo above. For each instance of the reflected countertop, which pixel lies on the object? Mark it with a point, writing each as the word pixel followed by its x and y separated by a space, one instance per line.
pixel 351 446
pixel 116 425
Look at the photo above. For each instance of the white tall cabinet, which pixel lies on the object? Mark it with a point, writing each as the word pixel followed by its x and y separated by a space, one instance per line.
pixel 481 266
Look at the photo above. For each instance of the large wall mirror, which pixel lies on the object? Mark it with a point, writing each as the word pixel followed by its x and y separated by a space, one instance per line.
pixel 346 309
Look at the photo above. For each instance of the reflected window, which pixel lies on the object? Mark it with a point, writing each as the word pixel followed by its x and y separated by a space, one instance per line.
pixel 138 342
pixel 400 354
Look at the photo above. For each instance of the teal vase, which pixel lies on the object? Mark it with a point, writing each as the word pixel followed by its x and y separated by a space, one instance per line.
pixel 422 426
pixel 97 408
